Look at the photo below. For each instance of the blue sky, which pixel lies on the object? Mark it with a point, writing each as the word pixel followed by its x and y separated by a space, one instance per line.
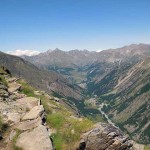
pixel 73 24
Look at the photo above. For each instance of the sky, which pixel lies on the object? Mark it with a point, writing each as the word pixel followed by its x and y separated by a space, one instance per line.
pixel 40 25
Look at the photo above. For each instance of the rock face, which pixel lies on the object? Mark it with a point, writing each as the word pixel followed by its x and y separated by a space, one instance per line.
pixel 34 113
pixel 37 139
pixel 23 113
pixel 13 87
pixel 105 137
pixel 28 102
pixel 29 124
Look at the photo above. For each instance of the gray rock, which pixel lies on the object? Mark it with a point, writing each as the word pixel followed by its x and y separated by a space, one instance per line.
pixel 37 139
pixel 105 137
pixel 28 102
pixel 13 87
pixel 29 124
pixel 14 117
pixel 12 135
pixel 34 113
pixel 11 80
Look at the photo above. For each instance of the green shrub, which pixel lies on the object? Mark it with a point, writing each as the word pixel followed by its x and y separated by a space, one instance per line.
pixel 55 120
pixel 27 89
pixel 146 147
pixel 58 141
pixel 17 148
pixel 44 101
pixel 2 79
pixel 18 132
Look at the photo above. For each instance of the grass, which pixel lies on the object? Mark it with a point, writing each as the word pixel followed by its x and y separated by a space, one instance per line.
pixel 68 129
pixel 69 132
pixel 17 148
pixel 2 71
pixel 55 120
pixel 27 89
pixel 96 118
pixel 58 141
pixel 18 132
pixel 146 147
pixel 2 79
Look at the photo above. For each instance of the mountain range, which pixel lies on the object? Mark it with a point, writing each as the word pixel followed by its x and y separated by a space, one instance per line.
pixel 119 78
pixel 48 81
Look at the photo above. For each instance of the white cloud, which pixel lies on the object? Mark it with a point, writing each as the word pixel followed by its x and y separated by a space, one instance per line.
pixel 99 50
pixel 19 52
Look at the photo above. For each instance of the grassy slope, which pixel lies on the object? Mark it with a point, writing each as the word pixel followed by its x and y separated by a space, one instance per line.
pixel 129 102
pixel 67 127
pixel 147 148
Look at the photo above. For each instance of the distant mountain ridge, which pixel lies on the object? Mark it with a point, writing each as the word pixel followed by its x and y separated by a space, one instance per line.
pixel 49 81
pixel 70 63
pixel 63 58
pixel 83 57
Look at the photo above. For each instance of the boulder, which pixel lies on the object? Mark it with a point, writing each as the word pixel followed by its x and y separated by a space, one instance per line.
pixel 10 80
pixel 56 99
pixel 28 102
pixel 37 93
pixel 105 137
pixel 29 124
pixel 13 87
pixel 37 139
pixel 14 117
pixel 34 113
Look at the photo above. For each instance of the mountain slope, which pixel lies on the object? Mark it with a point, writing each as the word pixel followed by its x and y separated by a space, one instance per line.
pixel 77 65
pixel 24 115
pixel 44 80
pixel 119 77
pixel 128 101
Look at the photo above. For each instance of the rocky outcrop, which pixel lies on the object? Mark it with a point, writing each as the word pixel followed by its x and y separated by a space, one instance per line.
pixel 28 102
pixel 24 116
pixel 37 139
pixel 105 137
pixel 34 113
pixel 29 124
pixel 13 87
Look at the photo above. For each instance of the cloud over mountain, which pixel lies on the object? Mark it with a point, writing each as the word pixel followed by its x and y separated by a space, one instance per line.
pixel 23 52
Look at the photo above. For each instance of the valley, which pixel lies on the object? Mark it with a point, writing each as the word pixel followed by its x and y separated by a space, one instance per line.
pixel 26 113
pixel 119 77
pixel 112 86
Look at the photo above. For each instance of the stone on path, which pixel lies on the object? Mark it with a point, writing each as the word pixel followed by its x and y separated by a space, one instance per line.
pixel 14 117
pixel 34 113
pixel 13 87
pixel 28 102
pixel 37 139
pixel 29 124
